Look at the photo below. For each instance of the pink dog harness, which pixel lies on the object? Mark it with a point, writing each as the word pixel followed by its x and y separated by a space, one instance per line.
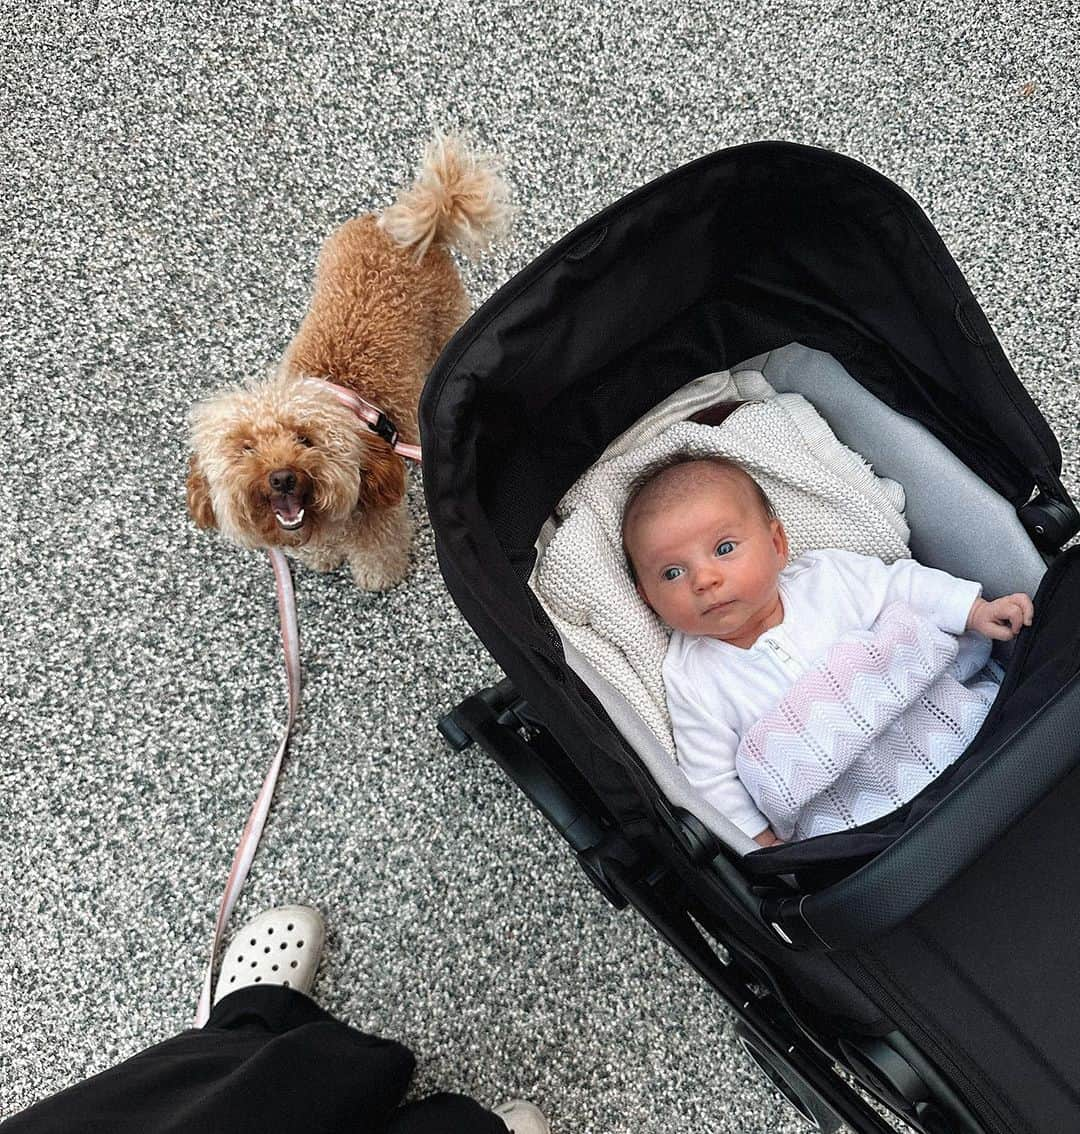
pixel 380 424
pixel 374 419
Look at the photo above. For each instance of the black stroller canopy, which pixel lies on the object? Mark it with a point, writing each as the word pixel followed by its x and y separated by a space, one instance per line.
pixel 734 255
pixel 738 253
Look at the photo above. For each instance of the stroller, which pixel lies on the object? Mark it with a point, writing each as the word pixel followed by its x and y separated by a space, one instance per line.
pixel 930 957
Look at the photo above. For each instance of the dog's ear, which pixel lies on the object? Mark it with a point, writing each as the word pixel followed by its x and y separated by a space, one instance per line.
pixel 382 479
pixel 198 496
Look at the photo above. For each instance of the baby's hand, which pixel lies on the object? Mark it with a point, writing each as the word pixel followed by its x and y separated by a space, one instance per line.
pixel 767 838
pixel 1001 619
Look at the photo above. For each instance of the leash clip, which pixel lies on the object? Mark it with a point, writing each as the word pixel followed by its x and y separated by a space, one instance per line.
pixel 384 427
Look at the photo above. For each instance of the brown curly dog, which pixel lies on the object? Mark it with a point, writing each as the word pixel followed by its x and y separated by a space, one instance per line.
pixel 282 463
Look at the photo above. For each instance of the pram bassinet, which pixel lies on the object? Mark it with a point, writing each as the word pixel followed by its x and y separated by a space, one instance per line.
pixel 927 958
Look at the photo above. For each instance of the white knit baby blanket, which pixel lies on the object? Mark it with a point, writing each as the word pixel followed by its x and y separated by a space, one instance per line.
pixel 882 715
pixel 826 495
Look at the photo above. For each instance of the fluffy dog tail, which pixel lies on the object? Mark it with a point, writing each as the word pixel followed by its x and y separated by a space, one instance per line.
pixel 458 199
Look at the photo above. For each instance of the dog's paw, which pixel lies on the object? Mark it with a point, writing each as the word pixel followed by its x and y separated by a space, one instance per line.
pixel 379 551
pixel 324 560
pixel 379 573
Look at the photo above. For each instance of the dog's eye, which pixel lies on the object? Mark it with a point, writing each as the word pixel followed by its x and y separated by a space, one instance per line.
pixel 304 440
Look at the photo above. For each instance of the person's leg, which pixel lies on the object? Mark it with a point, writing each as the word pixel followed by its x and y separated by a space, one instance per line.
pixel 268 1060
pixel 445 1114
pixel 456 1114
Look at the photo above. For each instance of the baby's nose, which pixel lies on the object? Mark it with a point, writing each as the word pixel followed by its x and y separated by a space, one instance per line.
pixel 708 577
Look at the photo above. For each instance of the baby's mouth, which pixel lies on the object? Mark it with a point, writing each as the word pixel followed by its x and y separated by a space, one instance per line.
pixel 717 606
pixel 288 510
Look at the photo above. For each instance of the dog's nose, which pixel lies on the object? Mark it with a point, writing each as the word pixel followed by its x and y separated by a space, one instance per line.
pixel 283 481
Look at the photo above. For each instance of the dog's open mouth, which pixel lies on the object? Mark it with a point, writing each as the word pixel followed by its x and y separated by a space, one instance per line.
pixel 289 511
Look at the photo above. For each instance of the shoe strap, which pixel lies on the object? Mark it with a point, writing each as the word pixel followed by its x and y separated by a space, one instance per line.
pixel 249 840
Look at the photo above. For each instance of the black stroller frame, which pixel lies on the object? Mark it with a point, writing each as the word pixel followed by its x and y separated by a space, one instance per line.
pixel 862 972
pixel 803 1071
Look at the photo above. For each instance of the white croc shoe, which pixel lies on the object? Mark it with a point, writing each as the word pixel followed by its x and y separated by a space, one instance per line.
pixel 279 946
pixel 521 1117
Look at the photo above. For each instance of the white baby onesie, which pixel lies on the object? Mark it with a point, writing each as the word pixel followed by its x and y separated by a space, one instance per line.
pixel 716 691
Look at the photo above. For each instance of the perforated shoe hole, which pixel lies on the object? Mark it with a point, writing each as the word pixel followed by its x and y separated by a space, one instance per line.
pixel 292 964
pixel 299 944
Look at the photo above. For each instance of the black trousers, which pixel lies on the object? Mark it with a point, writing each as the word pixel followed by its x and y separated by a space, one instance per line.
pixel 269 1060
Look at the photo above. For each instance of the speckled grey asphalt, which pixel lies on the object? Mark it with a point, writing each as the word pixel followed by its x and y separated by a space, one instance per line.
pixel 168 175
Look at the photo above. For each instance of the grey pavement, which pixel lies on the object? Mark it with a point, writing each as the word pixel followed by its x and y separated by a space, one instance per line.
pixel 168 173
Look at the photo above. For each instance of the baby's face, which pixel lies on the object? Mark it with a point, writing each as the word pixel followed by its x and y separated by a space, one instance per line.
pixel 708 560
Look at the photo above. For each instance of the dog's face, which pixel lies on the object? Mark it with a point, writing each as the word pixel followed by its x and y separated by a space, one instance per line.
pixel 277 464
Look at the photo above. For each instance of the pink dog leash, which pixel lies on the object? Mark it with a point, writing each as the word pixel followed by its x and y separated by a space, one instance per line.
pixel 379 423
pixel 253 828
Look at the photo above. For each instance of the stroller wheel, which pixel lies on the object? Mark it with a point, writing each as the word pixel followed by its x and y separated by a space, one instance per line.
pixel 811 1107
pixel 453 733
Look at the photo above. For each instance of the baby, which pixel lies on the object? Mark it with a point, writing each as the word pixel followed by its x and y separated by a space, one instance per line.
pixel 710 557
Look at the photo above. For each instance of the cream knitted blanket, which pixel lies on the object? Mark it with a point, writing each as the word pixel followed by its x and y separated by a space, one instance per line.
pixel 826 495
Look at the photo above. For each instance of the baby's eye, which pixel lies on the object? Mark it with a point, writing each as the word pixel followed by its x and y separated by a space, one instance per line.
pixel 671 573
pixel 725 548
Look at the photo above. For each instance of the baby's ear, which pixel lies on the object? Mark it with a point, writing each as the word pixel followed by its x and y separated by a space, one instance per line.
pixel 198 496
pixel 780 540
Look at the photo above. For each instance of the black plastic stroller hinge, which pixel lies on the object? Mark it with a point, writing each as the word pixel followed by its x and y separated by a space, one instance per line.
pixel 605 863
pixel 785 921
pixel 696 840
pixel 704 854
pixel 1049 520
pixel 491 725
pixel 499 721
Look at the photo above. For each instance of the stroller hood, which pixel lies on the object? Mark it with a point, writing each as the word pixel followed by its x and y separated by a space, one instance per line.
pixel 734 255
